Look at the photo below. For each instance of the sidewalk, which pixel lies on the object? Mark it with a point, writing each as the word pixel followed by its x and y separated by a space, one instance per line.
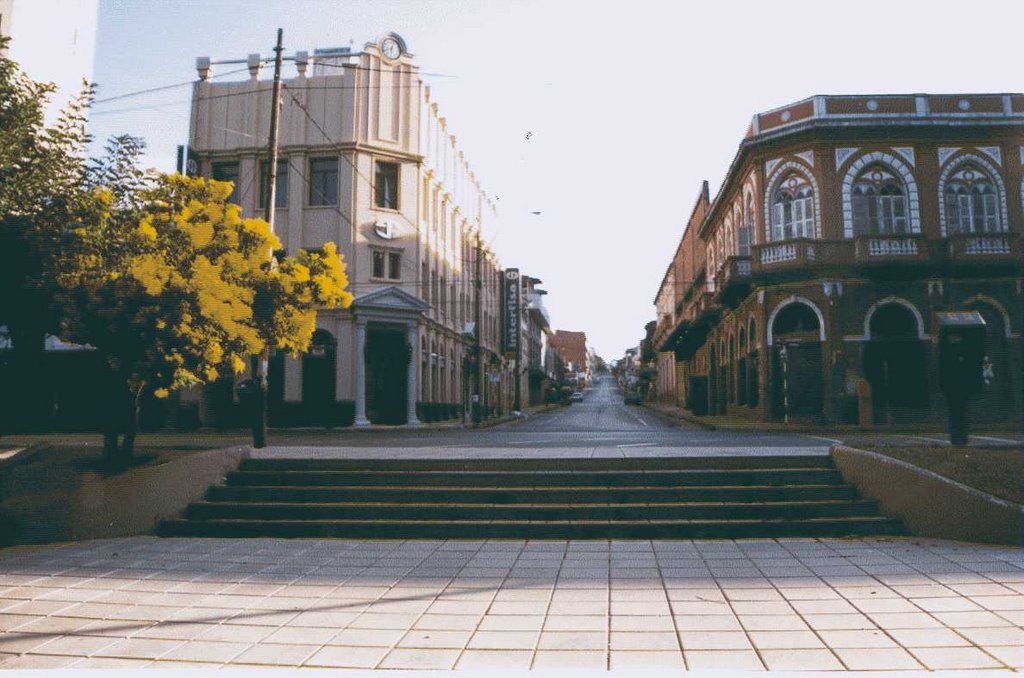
pixel 787 604
pixel 674 414
pixel 211 439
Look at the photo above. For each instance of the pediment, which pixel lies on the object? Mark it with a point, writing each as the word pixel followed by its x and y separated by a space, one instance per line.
pixel 391 298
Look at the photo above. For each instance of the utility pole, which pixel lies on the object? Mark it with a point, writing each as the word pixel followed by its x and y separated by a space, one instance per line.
pixel 259 424
pixel 477 313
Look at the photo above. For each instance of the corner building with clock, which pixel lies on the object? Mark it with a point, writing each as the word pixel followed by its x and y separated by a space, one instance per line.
pixel 844 226
pixel 366 161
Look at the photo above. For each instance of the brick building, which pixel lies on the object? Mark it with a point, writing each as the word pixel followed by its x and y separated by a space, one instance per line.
pixel 572 347
pixel 844 224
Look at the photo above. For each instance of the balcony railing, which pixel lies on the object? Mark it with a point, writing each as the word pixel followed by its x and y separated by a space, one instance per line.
pixel 984 245
pixel 800 253
pixel 732 278
pixel 890 248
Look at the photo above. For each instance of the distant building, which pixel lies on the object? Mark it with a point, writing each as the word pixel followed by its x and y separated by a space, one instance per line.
pixel 845 224
pixel 52 41
pixel 536 340
pixel 572 346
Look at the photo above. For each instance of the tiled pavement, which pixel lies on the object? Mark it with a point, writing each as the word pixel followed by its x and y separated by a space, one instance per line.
pixel 793 604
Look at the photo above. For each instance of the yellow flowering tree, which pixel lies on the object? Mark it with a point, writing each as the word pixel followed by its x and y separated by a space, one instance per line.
pixel 175 288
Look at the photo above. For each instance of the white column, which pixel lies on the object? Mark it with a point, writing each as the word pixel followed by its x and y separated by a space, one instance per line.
pixel 360 376
pixel 412 387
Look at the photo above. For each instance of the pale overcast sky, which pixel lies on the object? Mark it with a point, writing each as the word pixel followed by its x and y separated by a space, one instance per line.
pixel 628 105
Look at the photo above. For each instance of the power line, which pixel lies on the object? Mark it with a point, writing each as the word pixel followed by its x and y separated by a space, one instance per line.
pixel 151 90
pixel 177 85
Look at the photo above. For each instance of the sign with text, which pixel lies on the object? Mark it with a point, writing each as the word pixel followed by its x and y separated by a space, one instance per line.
pixel 510 298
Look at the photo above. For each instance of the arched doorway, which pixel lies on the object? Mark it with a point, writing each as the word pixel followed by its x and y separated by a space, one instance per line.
pixel 895 363
pixel 713 380
pixel 319 374
pixel 796 356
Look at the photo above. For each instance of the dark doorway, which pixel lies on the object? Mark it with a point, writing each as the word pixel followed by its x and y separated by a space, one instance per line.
pixel 319 374
pixel 896 365
pixel 796 361
pixel 387 363
pixel 997 399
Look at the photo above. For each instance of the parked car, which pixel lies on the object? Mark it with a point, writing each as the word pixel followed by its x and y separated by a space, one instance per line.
pixel 631 398
pixel 576 397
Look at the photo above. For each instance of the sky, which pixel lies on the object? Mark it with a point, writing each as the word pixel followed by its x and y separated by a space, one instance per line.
pixel 604 117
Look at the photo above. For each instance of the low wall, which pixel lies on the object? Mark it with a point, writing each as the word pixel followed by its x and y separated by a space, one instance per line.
pixel 46 504
pixel 930 505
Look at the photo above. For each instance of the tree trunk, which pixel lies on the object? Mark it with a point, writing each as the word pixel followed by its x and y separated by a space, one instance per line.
pixel 118 452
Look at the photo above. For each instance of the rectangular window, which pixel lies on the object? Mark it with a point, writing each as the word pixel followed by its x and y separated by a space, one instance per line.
pixel 281 197
pixel 378 264
pixel 227 171
pixel 323 182
pixel 395 265
pixel 385 185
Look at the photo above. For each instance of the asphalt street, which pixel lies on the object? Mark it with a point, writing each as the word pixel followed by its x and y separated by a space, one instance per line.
pixel 601 420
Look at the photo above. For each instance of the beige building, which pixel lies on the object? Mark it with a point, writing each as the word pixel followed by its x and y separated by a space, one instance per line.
pixel 366 161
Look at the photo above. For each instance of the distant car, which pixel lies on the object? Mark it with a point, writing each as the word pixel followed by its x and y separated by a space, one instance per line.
pixel 631 398
pixel 576 397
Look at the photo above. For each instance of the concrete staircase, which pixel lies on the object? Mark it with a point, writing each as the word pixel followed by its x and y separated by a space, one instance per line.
pixel 608 498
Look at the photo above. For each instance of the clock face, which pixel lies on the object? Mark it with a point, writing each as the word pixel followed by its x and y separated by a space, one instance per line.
pixel 391 49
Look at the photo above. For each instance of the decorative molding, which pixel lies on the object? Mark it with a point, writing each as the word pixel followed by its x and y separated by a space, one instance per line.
pixel 771 164
pixel 913 204
pixel 770 184
pixel 945 152
pixel 882 302
pixel 788 302
pixel 993 173
pixel 843 154
pixel 993 152
pixel 908 154
pixel 989 301
pixel 807 156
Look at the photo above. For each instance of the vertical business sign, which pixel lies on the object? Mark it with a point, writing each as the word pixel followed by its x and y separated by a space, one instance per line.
pixel 511 294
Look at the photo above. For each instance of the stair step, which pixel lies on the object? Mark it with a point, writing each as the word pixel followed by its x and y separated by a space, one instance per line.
pixel 543 464
pixel 449 529
pixel 516 495
pixel 526 511
pixel 469 479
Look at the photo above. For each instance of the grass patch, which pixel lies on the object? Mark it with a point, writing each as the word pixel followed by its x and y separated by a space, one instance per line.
pixel 996 470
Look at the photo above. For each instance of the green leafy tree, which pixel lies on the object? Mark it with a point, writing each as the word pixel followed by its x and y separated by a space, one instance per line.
pixel 42 170
pixel 176 289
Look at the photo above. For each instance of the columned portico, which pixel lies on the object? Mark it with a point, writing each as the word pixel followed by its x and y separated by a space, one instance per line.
pixel 387 337
pixel 412 337
pixel 360 418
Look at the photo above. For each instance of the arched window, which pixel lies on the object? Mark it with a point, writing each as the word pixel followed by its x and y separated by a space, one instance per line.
pixel 746 228
pixel 972 202
pixel 793 208
pixel 879 203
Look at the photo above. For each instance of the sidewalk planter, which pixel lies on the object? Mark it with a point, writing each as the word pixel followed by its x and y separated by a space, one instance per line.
pixel 930 505
pixel 47 502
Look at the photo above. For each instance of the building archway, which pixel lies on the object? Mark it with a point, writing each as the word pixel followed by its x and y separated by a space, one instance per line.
pixel 895 361
pixel 796 334
pixel 319 370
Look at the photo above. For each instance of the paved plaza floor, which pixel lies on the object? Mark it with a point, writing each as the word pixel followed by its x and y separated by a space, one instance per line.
pixel 787 604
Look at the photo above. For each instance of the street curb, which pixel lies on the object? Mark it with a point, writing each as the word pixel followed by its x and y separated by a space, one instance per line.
pixel 509 420
pixel 673 417
pixel 929 504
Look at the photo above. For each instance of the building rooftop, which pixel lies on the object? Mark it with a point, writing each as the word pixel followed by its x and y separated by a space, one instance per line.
pixel 890 108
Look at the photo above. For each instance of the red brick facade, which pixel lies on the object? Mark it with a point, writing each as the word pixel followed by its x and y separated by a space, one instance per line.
pixel 843 226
